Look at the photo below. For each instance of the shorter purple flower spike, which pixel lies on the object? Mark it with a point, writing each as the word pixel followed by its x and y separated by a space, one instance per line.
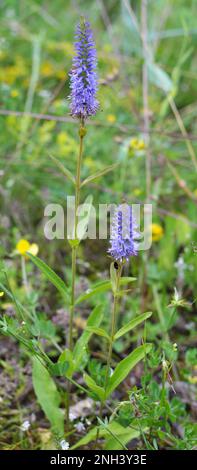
pixel 123 234
pixel 83 76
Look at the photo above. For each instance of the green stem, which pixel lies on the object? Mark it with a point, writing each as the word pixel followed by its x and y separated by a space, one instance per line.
pixel 82 133
pixel 70 341
pixel 113 328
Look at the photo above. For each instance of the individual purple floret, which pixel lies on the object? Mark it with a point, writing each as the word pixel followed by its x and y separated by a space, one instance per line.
pixel 83 76
pixel 123 234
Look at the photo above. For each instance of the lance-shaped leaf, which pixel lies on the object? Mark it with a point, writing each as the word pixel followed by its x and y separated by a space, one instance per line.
pixel 94 320
pixel 100 173
pixel 100 392
pixel 125 366
pixel 48 396
pixel 124 434
pixel 50 274
pixel 67 357
pixel 132 324
pixel 63 169
pixel 98 331
pixel 100 287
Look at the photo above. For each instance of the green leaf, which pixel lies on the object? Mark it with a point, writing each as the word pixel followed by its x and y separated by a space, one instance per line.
pixel 126 280
pixel 125 366
pixel 20 308
pixel 50 274
pixel 100 392
pixel 124 434
pixel 94 320
pixel 63 169
pixel 98 331
pixel 100 287
pixel 48 396
pixel 67 357
pixel 59 369
pixel 100 173
pixel 132 324
pixel 43 327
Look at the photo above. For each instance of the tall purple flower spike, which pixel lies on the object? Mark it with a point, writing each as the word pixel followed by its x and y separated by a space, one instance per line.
pixel 123 234
pixel 83 76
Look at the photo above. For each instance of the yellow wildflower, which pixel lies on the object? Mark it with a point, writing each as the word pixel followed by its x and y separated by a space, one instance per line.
pixel 33 249
pixel 157 232
pixel 45 131
pixel 22 246
pixel 111 118
pixel 66 144
pixel 137 144
pixel 137 192
pixel 10 73
pixel 14 93
pixel 141 145
pixel 1 294
pixel 47 69
pixel 62 138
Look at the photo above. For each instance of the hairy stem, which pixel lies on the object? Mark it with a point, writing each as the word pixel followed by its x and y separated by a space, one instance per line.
pixel 109 357
pixel 75 244
pixel 82 133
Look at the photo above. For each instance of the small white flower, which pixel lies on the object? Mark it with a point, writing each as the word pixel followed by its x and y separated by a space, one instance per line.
pixel 72 416
pixel 64 444
pixel 25 425
pixel 80 427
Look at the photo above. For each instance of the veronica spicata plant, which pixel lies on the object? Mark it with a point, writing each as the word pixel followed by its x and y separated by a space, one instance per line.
pixel 29 328
pixel 83 104
pixel 123 246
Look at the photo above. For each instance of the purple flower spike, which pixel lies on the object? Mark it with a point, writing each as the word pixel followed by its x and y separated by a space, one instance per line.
pixel 123 234
pixel 83 76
